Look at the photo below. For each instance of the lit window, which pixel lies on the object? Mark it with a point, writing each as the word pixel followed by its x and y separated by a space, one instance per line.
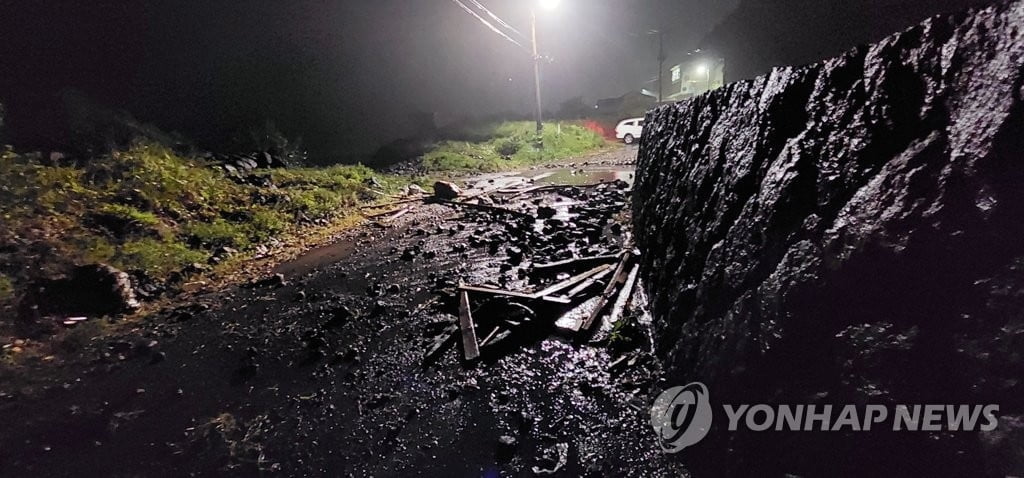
pixel 676 73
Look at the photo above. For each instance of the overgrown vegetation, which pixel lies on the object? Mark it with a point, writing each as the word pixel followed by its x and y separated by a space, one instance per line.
pixel 150 210
pixel 153 212
pixel 510 145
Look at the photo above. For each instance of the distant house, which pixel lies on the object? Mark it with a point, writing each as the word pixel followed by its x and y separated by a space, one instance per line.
pixel 629 105
pixel 693 76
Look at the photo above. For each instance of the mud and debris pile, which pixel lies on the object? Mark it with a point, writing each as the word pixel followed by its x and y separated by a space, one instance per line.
pixel 849 232
pixel 560 260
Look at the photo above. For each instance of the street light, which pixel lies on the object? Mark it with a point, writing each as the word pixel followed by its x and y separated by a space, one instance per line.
pixel 546 5
pixel 703 69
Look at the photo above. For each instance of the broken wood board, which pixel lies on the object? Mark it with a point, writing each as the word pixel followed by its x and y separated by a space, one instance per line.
pixel 393 215
pixel 609 291
pixel 572 281
pixel 572 319
pixel 589 282
pixel 483 207
pixel 574 261
pixel 469 342
pixel 487 290
pixel 523 192
pixel 488 190
pixel 557 299
pixel 393 203
pixel 624 294
pixel 443 340
pixel 546 294
pixel 494 336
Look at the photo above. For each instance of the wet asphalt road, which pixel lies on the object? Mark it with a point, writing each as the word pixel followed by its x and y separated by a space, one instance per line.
pixel 325 375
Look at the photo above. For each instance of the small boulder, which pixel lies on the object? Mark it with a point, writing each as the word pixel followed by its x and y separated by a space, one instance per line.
pixel 94 289
pixel 506 447
pixel 546 212
pixel 446 190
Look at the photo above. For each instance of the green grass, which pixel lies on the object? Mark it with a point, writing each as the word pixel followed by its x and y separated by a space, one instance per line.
pixel 6 287
pixel 152 210
pixel 510 145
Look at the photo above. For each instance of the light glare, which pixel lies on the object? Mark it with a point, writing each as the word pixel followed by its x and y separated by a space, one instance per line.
pixel 549 4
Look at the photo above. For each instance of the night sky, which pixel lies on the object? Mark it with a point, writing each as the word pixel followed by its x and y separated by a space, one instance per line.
pixel 343 75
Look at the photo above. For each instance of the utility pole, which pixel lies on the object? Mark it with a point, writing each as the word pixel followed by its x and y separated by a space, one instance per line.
pixel 661 64
pixel 536 77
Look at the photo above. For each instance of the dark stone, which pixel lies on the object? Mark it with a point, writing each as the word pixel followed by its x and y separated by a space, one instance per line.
pixel 276 280
pixel 546 212
pixel 851 228
pixel 446 190
pixel 339 317
pixel 95 289
pixel 506 447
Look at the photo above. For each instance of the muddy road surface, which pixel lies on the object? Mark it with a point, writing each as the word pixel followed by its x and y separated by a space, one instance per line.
pixel 350 360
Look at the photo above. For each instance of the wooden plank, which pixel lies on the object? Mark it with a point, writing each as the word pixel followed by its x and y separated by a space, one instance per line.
pixel 392 203
pixel 589 282
pixel 490 336
pixel 485 191
pixel 554 289
pixel 488 290
pixel 609 291
pixel 400 213
pixel 557 299
pixel 578 260
pixel 444 339
pixel 523 192
pixel 483 207
pixel 392 215
pixel 469 343
pixel 627 290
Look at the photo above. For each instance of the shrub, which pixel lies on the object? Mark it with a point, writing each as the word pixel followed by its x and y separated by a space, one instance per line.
pixel 217 234
pixel 508 148
pixel 157 258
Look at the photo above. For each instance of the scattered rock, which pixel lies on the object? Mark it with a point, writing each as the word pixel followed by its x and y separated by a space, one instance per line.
pixel 276 280
pixel 446 190
pixel 506 447
pixel 552 460
pixel 546 212
pixel 94 289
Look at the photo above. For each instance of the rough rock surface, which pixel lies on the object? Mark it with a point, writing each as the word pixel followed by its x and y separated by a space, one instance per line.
pixel 447 190
pixel 848 232
pixel 93 289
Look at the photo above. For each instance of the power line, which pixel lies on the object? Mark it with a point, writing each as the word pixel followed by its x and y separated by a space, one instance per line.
pixel 489 24
pixel 497 19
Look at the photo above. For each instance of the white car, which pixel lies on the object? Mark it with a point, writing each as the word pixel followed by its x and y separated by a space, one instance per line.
pixel 630 130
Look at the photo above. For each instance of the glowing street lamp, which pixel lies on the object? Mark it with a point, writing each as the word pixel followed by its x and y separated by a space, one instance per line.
pixel 549 4
pixel 703 69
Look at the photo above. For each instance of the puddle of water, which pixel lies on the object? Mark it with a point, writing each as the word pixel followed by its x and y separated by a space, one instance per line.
pixel 575 177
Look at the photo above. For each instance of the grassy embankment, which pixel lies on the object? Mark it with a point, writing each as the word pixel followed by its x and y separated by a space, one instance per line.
pixel 509 146
pixel 155 212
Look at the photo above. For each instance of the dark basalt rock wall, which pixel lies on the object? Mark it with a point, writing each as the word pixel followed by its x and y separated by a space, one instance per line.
pixel 848 232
